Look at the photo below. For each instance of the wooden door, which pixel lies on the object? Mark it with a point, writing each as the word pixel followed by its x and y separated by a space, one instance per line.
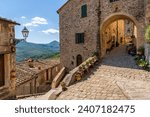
pixel 79 60
pixel 2 79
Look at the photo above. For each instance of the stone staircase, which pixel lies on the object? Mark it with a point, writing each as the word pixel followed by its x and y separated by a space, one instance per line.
pixel 4 93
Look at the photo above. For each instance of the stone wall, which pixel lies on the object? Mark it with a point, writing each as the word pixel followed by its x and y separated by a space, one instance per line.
pixel 123 9
pixel 7 49
pixel 72 23
pixel 38 83
pixel 134 8
pixel 147 15
pixel 100 14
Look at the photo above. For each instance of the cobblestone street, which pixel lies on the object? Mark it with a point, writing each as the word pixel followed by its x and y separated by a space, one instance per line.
pixel 116 78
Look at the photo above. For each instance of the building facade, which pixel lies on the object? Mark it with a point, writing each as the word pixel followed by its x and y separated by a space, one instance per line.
pixel 84 25
pixel 7 59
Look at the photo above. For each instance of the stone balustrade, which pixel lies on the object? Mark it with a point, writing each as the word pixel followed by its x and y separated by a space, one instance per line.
pixel 37 82
pixel 73 76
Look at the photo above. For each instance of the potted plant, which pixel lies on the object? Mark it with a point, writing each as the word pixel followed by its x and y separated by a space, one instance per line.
pixel 87 64
pixel 81 70
pixel 95 59
pixel 83 67
pixel 63 85
pixel 78 76
pixel 91 62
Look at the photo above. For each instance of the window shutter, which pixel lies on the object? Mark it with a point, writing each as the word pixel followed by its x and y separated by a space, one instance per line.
pixel 84 11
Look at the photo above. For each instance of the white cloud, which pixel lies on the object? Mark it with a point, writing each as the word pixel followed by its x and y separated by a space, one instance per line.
pixel 23 17
pixel 36 21
pixel 31 30
pixel 51 30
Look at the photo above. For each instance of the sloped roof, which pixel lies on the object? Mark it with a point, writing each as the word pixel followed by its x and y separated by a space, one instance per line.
pixel 24 73
pixel 8 20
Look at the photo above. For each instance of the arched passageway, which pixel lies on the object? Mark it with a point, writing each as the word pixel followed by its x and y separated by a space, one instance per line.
pixel 119 29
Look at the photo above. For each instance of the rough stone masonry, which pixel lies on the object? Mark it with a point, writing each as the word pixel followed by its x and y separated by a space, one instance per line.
pixel 100 13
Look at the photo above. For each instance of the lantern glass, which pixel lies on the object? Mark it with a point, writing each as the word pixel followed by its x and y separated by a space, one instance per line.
pixel 25 32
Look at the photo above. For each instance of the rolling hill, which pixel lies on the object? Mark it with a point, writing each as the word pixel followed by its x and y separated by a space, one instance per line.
pixel 26 50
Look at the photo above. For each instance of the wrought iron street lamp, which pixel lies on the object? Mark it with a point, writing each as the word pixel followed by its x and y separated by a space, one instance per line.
pixel 25 33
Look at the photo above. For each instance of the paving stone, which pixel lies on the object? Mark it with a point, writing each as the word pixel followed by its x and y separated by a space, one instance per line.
pixel 117 78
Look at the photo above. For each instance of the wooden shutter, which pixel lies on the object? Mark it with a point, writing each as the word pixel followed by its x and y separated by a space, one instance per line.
pixel 84 11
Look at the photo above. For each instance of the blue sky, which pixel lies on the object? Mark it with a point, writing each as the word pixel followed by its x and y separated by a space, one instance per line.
pixel 39 16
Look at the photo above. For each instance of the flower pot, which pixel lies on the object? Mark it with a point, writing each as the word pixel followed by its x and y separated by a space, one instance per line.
pixel 78 77
pixel 63 85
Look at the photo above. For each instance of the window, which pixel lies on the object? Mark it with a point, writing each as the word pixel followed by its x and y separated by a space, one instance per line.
pixel 113 0
pixel 84 11
pixel 79 38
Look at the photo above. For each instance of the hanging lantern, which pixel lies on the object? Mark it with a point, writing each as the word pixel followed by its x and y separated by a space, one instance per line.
pixel 25 33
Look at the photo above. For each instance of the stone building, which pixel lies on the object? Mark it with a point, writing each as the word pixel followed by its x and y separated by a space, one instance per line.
pixel 7 59
pixel 84 25
pixel 35 79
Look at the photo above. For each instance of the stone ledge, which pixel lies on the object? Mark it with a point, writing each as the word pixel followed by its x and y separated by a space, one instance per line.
pixel 58 77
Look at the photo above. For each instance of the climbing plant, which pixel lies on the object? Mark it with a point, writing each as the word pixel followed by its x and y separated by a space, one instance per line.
pixel 147 34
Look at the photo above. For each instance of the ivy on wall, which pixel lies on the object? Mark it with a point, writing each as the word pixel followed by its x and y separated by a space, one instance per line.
pixel 147 33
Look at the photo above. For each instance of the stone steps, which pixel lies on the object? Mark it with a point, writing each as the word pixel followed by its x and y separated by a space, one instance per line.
pixel 4 93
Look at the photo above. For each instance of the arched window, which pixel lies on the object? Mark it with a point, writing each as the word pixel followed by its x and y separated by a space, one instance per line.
pixel 79 59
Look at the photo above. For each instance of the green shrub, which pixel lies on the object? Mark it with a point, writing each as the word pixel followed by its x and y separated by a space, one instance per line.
pixel 142 63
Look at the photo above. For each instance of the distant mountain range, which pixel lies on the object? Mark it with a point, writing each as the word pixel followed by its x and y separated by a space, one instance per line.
pixel 25 50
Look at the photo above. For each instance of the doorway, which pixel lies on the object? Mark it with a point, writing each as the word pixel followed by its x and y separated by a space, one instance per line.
pixel 79 59
pixel 119 29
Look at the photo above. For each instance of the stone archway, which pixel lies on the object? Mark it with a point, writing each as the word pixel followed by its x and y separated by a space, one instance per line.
pixel 119 16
